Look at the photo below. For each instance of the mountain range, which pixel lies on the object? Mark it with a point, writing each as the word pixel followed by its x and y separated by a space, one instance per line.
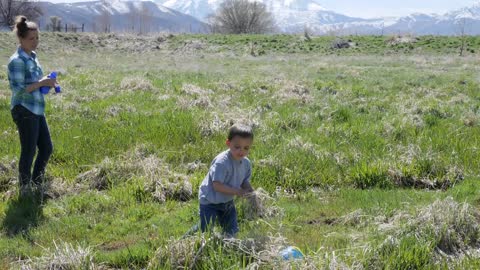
pixel 116 15
pixel 291 16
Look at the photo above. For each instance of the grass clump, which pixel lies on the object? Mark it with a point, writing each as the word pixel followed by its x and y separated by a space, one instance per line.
pixel 259 204
pixel 421 174
pixel 211 251
pixel 8 175
pixel 442 230
pixel 160 182
pixel 64 256
pixel 136 83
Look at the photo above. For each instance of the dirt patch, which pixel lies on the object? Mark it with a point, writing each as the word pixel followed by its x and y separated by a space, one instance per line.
pixel 116 245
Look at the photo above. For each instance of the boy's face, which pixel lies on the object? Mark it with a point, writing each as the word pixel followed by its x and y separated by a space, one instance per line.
pixel 239 147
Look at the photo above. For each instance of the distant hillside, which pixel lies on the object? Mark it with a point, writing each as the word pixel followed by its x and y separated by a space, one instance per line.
pixel 119 16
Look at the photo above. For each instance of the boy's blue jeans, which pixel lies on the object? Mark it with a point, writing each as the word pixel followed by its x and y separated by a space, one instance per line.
pixel 224 214
pixel 34 133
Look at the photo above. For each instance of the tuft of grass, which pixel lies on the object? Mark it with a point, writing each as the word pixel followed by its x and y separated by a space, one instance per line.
pixel 437 232
pixel 63 256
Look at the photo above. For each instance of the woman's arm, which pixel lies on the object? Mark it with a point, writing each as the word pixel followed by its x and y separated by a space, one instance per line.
pixel 43 82
pixel 16 76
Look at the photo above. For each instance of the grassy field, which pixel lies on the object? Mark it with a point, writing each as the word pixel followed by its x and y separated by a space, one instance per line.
pixel 368 156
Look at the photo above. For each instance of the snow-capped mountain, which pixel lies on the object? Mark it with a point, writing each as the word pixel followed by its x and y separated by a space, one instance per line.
pixel 471 12
pixel 202 8
pixel 136 16
pixel 296 15
pixel 291 16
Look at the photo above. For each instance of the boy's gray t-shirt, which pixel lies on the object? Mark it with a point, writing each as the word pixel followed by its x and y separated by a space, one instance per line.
pixel 228 171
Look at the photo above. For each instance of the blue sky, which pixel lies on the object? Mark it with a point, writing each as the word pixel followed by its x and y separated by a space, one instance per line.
pixel 380 8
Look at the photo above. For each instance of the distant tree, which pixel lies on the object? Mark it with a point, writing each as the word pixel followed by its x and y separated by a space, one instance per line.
pixel 241 17
pixel 461 25
pixel 132 18
pixel 55 24
pixel 104 21
pixel 9 9
pixel 306 33
pixel 145 19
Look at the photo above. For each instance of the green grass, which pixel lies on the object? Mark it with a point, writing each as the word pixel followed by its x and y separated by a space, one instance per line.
pixel 336 131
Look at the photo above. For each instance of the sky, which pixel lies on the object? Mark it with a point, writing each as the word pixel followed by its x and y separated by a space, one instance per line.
pixel 377 8
pixel 382 8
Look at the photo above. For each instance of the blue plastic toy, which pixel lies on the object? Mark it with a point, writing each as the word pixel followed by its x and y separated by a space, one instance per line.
pixel 45 89
pixel 291 252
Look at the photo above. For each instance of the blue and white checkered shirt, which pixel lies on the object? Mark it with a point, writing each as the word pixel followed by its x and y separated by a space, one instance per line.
pixel 23 70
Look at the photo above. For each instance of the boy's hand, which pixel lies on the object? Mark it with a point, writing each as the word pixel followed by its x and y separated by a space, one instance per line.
pixel 245 192
pixel 241 192
pixel 246 186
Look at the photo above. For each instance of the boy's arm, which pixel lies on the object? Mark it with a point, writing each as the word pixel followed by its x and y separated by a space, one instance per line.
pixel 247 187
pixel 246 182
pixel 220 187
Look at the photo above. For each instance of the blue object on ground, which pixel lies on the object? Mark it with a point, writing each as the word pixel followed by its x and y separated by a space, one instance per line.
pixel 291 252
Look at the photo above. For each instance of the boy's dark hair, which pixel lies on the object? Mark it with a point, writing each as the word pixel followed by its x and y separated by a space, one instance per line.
pixel 240 130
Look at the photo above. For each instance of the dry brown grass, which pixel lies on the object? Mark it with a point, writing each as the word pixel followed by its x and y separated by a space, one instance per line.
pixel 55 187
pixel 355 218
pixel 64 256
pixel 435 180
pixel 8 174
pixel 115 110
pixel 160 181
pixel 289 90
pixel 451 226
pixel 136 83
pixel 263 252
pixel 396 40
pixel 219 122
pixel 259 204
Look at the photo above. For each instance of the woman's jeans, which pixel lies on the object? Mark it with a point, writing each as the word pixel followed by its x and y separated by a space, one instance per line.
pixel 33 131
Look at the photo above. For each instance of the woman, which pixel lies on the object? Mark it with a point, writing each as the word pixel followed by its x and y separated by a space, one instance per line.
pixel 28 106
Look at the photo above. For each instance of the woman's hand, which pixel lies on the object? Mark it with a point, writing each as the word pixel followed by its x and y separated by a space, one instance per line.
pixel 45 81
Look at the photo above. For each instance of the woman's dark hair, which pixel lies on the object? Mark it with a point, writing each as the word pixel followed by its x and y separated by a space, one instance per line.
pixel 22 26
pixel 243 131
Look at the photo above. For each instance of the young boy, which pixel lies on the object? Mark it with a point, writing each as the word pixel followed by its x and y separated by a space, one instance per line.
pixel 228 176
